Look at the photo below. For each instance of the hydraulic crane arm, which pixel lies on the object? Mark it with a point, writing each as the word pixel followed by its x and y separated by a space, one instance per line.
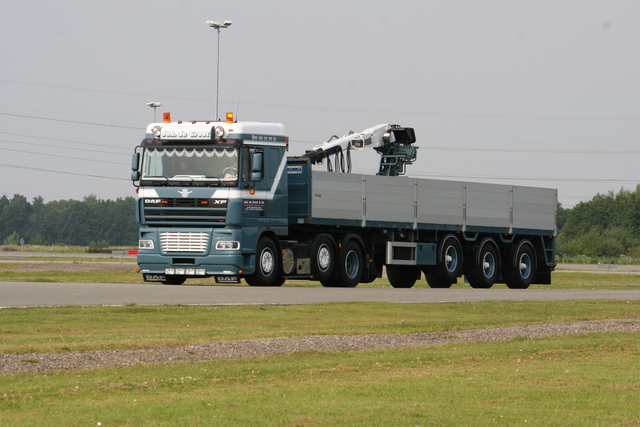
pixel 392 142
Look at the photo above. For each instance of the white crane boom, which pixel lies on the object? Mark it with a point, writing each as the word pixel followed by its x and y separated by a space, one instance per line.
pixel 392 142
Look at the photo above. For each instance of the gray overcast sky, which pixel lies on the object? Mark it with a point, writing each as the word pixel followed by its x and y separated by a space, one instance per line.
pixel 536 93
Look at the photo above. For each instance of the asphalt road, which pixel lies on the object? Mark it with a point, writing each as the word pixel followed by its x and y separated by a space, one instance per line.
pixel 30 294
pixel 38 294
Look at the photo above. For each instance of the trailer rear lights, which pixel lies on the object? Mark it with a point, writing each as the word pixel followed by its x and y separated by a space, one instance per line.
pixel 145 244
pixel 226 245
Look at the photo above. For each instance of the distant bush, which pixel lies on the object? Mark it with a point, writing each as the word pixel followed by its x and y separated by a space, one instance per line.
pixel 12 239
pixel 9 248
pixel 99 247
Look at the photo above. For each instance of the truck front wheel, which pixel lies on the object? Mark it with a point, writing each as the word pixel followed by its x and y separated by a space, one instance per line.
pixel 267 265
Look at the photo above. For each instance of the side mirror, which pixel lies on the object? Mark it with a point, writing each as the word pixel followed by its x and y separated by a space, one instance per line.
pixel 257 166
pixel 135 176
pixel 135 161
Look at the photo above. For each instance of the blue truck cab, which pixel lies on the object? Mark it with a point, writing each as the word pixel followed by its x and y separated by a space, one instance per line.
pixel 211 194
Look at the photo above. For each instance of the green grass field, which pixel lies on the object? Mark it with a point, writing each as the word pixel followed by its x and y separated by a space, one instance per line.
pixel 590 380
pixel 570 381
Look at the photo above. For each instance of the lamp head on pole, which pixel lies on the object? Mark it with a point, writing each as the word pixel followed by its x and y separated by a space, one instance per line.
pixel 218 25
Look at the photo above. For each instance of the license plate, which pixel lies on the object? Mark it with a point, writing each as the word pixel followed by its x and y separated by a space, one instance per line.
pixel 154 277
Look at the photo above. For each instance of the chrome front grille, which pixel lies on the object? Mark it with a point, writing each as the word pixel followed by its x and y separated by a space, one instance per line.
pixel 184 241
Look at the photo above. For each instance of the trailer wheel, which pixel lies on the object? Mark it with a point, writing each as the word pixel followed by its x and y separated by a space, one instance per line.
pixel 267 263
pixel 449 263
pixel 520 274
pixel 174 280
pixel 403 276
pixel 349 269
pixel 484 274
pixel 323 255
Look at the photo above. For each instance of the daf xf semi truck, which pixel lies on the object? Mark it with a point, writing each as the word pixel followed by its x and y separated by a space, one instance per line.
pixel 225 200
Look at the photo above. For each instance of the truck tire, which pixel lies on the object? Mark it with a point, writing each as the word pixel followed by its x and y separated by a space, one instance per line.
pixel 349 269
pixel 267 265
pixel 519 274
pixel 323 257
pixel 448 265
pixel 403 276
pixel 174 280
pixel 484 274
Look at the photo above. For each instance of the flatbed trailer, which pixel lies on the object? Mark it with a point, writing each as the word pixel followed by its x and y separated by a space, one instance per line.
pixel 401 221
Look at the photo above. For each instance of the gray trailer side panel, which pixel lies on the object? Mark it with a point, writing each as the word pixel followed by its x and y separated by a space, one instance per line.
pixel 381 199
pixel 487 205
pixel 336 196
pixel 389 199
pixel 440 202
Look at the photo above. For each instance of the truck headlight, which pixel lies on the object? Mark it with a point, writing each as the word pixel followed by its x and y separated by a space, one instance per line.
pixel 226 245
pixel 145 244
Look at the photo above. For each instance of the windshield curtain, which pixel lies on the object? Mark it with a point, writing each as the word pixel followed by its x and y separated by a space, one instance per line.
pixel 192 164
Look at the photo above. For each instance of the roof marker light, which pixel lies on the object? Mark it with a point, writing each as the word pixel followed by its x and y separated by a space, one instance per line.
pixel 166 117
pixel 229 118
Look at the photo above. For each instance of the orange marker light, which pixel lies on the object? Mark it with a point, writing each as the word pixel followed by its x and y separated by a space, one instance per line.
pixel 229 118
pixel 166 117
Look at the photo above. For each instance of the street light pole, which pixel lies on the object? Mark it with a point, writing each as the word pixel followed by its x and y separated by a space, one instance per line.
pixel 154 105
pixel 217 26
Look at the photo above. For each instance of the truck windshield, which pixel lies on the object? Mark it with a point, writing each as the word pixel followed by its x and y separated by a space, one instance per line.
pixel 190 166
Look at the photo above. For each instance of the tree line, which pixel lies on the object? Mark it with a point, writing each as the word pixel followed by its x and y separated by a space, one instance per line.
pixel 68 222
pixel 607 226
